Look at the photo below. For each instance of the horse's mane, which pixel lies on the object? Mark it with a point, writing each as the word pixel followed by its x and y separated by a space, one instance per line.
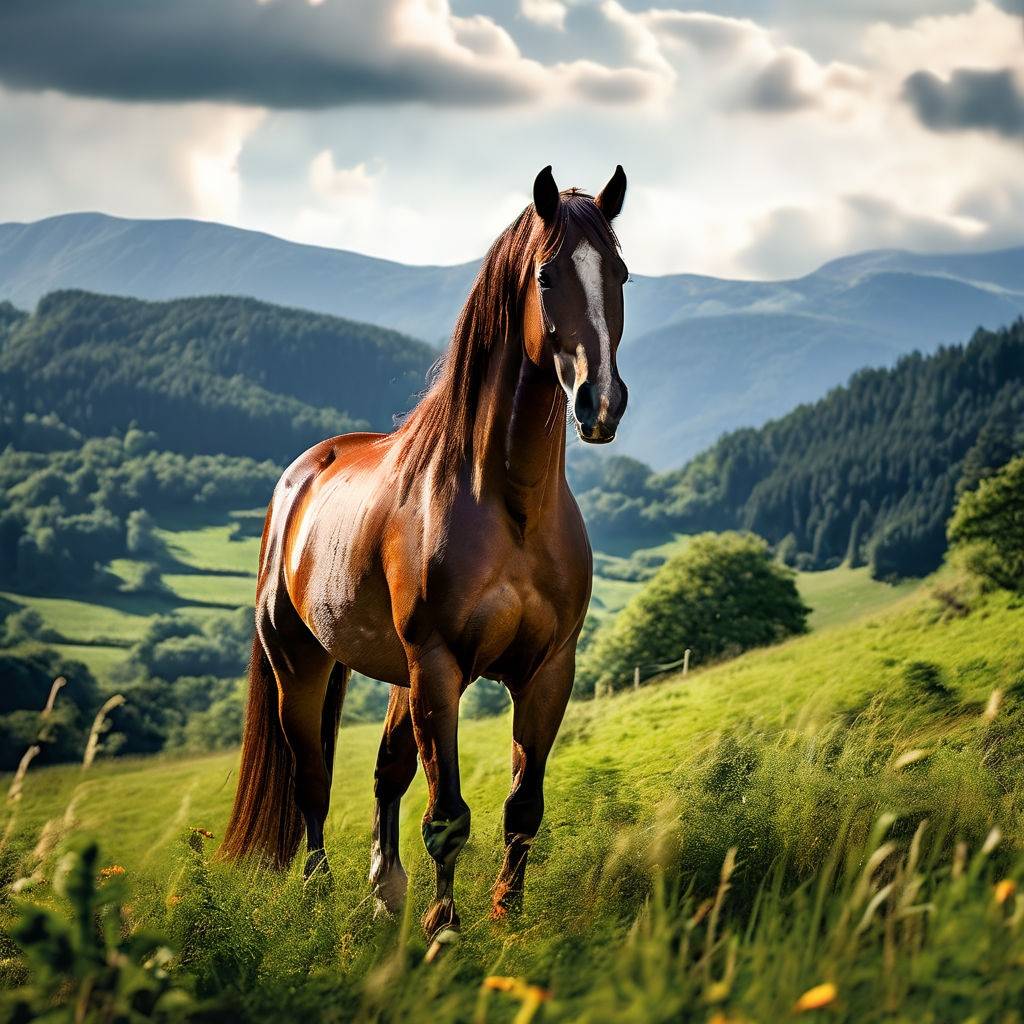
pixel 438 433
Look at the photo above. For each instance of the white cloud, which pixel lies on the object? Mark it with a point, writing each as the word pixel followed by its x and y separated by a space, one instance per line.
pixel 140 161
pixel 549 13
pixel 339 184
pixel 746 153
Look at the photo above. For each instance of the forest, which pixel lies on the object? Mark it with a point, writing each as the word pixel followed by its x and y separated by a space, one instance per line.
pixel 209 375
pixel 867 475
pixel 220 393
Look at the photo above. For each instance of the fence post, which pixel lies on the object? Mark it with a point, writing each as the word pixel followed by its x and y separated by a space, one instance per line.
pixel 686 661
pixel 636 678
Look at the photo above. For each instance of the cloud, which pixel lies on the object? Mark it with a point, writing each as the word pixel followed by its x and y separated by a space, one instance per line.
pixel 777 87
pixel 735 63
pixel 550 13
pixel 970 99
pixel 338 184
pixel 791 240
pixel 287 54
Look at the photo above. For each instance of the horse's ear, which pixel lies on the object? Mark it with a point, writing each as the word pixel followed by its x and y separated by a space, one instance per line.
pixel 610 198
pixel 545 196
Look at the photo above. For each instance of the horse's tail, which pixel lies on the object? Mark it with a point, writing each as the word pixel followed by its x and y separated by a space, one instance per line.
pixel 265 819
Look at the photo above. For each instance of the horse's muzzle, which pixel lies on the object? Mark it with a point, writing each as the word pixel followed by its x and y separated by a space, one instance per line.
pixel 598 413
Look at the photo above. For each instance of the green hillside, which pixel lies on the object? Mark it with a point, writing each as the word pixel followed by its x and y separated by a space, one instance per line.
pixel 214 375
pixel 866 475
pixel 792 756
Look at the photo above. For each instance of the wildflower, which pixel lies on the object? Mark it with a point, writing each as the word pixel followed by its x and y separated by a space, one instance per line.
pixel 173 900
pixel 111 870
pixel 531 996
pixel 1005 890
pixel 817 997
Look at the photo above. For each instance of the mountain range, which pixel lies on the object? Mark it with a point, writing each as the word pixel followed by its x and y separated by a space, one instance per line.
pixel 701 355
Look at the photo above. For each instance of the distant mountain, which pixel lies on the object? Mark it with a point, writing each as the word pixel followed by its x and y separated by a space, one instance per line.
pixel 702 355
pixel 209 375
pixel 170 259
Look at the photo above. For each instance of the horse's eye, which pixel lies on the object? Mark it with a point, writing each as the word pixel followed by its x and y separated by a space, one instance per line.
pixel 543 280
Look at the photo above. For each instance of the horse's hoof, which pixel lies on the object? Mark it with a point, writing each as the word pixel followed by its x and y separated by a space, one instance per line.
pixel 441 917
pixel 507 903
pixel 389 892
pixel 317 869
pixel 381 911
pixel 442 942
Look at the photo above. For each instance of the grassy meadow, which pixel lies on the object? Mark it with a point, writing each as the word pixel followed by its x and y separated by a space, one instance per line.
pixel 829 828
pixel 207 571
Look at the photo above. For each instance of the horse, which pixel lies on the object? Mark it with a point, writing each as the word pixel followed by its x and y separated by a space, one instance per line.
pixel 447 550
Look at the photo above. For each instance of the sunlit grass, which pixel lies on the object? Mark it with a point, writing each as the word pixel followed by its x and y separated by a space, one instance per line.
pixel 792 756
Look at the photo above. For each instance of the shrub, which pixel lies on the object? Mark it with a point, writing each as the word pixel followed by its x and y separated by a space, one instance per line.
pixel 721 595
pixel 85 963
pixel 987 528
pixel 484 699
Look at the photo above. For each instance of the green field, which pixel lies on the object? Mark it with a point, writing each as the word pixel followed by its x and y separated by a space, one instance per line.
pixel 209 573
pixel 792 756
pixel 834 596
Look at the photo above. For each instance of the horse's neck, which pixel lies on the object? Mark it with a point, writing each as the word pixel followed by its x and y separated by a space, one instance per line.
pixel 522 431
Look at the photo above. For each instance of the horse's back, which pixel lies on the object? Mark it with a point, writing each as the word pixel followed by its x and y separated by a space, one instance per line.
pixel 322 551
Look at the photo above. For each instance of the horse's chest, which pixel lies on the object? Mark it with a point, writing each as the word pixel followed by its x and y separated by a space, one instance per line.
pixel 532 606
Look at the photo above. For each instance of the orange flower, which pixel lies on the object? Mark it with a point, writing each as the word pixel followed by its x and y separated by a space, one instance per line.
pixel 817 997
pixel 113 869
pixel 1005 889
pixel 173 900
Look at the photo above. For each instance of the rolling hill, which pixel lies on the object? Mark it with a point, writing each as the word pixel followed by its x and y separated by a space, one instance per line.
pixel 218 375
pixel 783 342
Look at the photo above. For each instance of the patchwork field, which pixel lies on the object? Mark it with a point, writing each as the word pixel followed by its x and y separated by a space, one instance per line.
pixel 209 571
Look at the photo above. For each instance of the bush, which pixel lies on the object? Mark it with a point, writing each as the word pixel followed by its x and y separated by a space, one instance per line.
pixel 141 538
pixel 484 699
pixel 27 679
pixel 27 625
pixel 987 528
pixel 721 595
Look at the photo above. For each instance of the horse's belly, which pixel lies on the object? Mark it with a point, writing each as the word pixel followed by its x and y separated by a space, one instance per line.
pixel 359 632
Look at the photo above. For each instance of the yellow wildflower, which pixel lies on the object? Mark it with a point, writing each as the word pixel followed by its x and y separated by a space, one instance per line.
pixel 817 997
pixel 1005 889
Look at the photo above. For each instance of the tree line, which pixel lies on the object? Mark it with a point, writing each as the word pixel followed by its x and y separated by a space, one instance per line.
pixel 867 475
pixel 209 375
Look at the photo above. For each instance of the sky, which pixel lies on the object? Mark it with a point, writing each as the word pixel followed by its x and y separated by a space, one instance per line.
pixel 760 137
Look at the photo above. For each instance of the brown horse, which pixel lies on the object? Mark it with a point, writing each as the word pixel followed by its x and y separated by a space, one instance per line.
pixel 447 550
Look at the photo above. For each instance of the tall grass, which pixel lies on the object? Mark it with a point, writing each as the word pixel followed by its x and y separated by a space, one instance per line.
pixel 830 830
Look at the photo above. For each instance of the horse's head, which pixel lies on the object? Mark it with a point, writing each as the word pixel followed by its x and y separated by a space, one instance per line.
pixel 574 305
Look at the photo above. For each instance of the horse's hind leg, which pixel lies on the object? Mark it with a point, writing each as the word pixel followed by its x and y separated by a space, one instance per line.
pixel 396 768
pixel 305 672
pixel 537 713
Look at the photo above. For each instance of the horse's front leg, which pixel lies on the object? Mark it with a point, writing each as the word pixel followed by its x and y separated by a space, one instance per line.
pixel 538 708
pixel 436 685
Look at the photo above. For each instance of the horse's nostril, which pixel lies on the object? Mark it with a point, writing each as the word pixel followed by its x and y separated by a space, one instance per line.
pixel 586 403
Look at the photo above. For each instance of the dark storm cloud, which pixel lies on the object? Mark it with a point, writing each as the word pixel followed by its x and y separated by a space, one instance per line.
pixel 971 99
pixel 285 54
